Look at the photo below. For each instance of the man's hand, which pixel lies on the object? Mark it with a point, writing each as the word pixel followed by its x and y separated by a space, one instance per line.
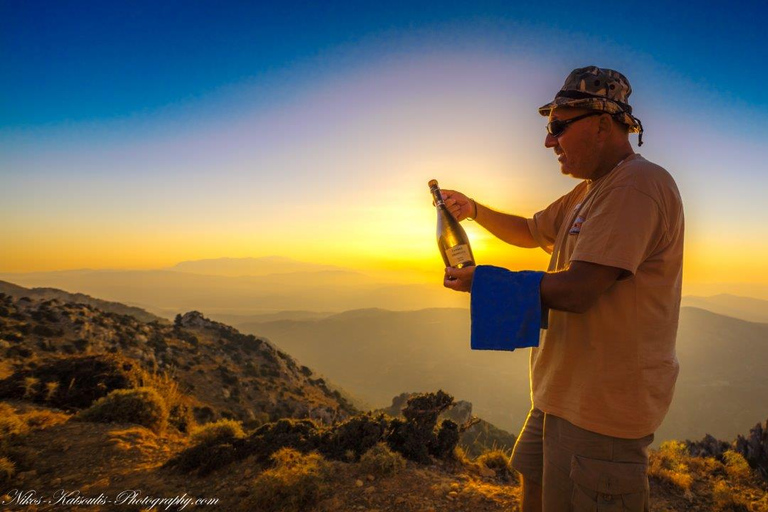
pixel 459 205
pixel 459 279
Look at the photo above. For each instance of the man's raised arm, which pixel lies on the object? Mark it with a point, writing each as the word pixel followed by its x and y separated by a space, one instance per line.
pixel 509 228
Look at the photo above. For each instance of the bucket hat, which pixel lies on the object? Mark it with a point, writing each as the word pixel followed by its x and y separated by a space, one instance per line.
pixel 599 89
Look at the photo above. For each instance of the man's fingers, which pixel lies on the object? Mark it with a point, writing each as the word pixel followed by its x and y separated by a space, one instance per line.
pixel 449 280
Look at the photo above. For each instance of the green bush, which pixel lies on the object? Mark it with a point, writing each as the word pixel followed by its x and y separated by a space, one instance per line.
pixel 382 461
pixel 218 432
pixel 295 484
pixel 143 406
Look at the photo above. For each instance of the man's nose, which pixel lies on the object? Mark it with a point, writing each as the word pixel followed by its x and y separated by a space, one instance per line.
pixel 550 141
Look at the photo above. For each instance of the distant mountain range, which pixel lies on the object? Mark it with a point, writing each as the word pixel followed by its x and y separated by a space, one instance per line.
pixel 721 390
pixel 289 286
pixel 236 267
pixel 744 308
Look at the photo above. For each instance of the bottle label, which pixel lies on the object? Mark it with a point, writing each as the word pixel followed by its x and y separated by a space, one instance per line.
pixel 458 254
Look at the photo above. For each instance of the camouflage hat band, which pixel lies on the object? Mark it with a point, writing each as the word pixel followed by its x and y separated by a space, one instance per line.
pixel 578 95
pixel 593 103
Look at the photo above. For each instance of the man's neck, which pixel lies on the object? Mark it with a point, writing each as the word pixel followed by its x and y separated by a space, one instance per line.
pixel 610 162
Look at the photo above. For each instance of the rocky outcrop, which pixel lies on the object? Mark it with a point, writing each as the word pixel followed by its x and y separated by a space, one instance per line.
pixel 753 447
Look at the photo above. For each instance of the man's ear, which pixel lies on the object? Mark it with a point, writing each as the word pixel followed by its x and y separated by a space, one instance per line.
pixel 605 126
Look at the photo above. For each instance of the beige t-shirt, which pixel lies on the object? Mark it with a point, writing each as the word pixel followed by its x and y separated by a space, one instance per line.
pixel 612 369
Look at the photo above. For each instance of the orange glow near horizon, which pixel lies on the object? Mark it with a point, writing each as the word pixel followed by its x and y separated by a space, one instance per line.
pixel 338 175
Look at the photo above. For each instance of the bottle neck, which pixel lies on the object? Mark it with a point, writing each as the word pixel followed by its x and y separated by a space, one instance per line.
pixel 437 196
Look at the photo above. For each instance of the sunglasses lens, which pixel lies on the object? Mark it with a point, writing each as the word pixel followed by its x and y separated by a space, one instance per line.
pixel 555 128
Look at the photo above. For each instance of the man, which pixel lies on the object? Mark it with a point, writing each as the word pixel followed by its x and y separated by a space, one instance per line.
pixel 603 374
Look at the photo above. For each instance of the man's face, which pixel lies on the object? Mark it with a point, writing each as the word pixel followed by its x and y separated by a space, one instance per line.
pixel 576 148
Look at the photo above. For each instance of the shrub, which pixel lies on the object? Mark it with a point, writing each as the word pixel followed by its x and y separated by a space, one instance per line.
pixel 498 461
pixel 447 439
pixel 358 434
pixel 295 484
pixel 203 459
pixel 415 438
pixel 736 465
pixel 10 423
pixel 218 432
pixel 82 379
pixel 143 406
pixel 380 460
pixel 669 464
pixel 7 470
pixel 30 386
pixel 726 500
pixel 50 389
pixel 180 409
pixel 11 426
pixel 45 418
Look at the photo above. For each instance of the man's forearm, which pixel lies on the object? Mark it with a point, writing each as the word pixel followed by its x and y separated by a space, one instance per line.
pixel 561 291
pixel 577 288
pixel 509 228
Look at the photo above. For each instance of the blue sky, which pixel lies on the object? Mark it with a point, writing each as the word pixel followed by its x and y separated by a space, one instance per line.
pixel 91 60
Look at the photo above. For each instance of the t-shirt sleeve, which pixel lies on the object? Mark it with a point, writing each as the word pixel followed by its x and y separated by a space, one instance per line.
pixel 621 229
pixel 545 224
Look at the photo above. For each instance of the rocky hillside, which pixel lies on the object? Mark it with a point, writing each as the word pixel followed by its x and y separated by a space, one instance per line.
pixel 79 298
pixel 229 375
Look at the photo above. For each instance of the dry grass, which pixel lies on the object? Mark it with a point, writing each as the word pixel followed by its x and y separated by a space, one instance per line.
pixel 295 484
pixel 220 431
pixel 7 470
pixel 498 461
pixel 11 423
pixel 179 405
pixel 382 461
pixel 142 406
pixel 43 418
pixel 50 390
pixel 30 387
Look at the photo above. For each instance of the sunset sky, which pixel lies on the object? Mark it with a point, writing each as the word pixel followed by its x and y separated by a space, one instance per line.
pixel 139 134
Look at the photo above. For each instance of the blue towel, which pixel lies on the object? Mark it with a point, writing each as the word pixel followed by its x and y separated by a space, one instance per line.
pixel 505 308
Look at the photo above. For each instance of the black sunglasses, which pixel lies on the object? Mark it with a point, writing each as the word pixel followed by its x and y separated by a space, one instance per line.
pixel 556 127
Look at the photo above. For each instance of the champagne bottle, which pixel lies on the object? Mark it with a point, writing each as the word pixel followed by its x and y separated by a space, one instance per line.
pixel 451 238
